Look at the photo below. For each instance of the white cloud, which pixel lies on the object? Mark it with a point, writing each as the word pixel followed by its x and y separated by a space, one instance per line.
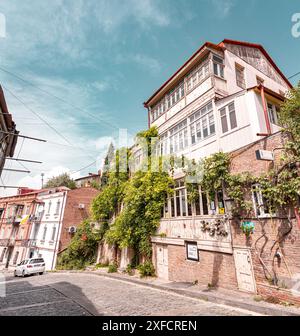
pixel 113 14
pixel 146 62
pixel 223 7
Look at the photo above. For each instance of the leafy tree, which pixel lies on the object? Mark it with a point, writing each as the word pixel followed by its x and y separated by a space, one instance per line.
pixel 81 250
pixel 63 180
pixel 107 164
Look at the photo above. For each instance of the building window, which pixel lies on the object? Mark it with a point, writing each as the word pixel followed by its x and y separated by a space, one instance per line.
pixel 179 137
pixel 44 233
pixel 175 95
pixel 3 254
pixel 202 124
pixel 158 109
pixel 57 207
pixel 273 111
pixel 261 206
pixel 228 117
pixel 167 102
pixel 259 80
pixel 201 204
pixel 53 233
pixel 16 258
pixel 240 76
pixel 199 74
pixel 49 207
pixel 178 205
pixel 218 66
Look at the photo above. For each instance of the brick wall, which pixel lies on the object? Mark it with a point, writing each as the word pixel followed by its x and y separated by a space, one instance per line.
pixel 73 216
pixel 244 159
pixel 213 268
pixel 267 230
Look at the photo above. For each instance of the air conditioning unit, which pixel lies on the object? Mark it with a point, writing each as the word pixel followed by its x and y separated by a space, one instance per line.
pixel 72 229
pixel 81 206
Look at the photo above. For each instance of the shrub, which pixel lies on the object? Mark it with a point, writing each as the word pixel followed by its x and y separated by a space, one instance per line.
pixel 146 269
pixel 112 268
pixel 129 269
pixel 101 265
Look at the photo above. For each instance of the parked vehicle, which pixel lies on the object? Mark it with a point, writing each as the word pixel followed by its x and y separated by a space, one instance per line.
pixel 30 266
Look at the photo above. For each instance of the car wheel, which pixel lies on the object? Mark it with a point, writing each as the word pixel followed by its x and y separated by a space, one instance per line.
pixel 41 273
pixel 23 274
pixel 15 274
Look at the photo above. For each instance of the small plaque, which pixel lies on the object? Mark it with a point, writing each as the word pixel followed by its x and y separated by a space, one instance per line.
pixel 192 251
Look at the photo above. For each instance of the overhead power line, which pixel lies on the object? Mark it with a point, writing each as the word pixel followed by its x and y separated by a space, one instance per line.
pixel 296 74
pixel 37 115
pixel 60 99
pixel 47 123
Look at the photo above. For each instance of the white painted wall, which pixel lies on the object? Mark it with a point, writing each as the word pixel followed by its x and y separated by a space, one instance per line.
pixel 47 248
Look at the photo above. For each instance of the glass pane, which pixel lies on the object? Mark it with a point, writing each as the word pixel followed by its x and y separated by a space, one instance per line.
pixel 177 204
pixel 216 72
pixel 232 118
pixel 173 207
pixel 197 205
pixel 183 202
pixel 205 204
pixel 224 124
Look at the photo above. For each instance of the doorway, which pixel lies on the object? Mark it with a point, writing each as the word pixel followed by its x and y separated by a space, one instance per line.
pixel 244 270
pixel 162 261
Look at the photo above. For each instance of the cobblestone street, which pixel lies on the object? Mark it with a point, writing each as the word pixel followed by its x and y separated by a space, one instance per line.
pixel 88 294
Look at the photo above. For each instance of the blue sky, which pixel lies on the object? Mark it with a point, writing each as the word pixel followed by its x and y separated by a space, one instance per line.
pixel 106 57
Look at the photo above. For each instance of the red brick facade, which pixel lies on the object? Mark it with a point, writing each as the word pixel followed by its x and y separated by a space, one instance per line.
pixel 219 269
pixel 213 268
pixel 73 215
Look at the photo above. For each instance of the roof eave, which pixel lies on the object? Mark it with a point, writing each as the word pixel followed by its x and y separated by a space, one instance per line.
pixel 208 45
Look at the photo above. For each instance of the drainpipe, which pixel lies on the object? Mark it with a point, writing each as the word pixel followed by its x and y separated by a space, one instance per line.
pixel 148 112
pixel 263 98
pixel 59 230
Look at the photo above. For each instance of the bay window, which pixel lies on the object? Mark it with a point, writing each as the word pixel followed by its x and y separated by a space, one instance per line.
pixel 273 111
pixel 240 76
pixel 200 73
pixel 178 205
pixel 218 66
pixel 178 137
pixel 202 124
pixel 228 117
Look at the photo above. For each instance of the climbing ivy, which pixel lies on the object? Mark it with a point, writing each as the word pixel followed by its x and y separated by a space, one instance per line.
pixel 81 250
pixel 143 201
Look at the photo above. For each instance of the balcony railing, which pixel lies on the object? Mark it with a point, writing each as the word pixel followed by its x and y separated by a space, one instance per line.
pixel 29 243
pixel 37 219
pixel 4 242
pixel 15 220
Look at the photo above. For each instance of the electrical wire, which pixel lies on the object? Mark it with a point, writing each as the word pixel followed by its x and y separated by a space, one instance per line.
pixel 296 74
pixel 60 99
pixel 42 119
pixel 37 115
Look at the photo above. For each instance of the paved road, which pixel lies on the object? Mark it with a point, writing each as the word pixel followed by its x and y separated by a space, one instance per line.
pixel 87 294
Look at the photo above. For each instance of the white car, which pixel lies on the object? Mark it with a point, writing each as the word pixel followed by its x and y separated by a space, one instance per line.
pixel 30 266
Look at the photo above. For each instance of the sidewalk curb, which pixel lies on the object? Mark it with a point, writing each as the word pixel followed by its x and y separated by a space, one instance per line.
pixel 210 297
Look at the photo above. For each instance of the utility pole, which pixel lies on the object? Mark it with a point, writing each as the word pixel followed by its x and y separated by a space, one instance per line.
pixel 42 175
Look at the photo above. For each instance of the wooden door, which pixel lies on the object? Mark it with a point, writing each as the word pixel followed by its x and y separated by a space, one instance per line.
pixel 162 262
pixel 244 270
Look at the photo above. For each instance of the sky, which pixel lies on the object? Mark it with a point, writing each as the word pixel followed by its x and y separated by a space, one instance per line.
pixel 74 72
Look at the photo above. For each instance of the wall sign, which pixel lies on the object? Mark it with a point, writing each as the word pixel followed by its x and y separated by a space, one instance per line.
pixel 192 251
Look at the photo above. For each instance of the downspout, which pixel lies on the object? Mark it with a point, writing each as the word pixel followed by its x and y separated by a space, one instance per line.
pixel 28 237
pixel 148 112
pixel 59 230
pixel 263 98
